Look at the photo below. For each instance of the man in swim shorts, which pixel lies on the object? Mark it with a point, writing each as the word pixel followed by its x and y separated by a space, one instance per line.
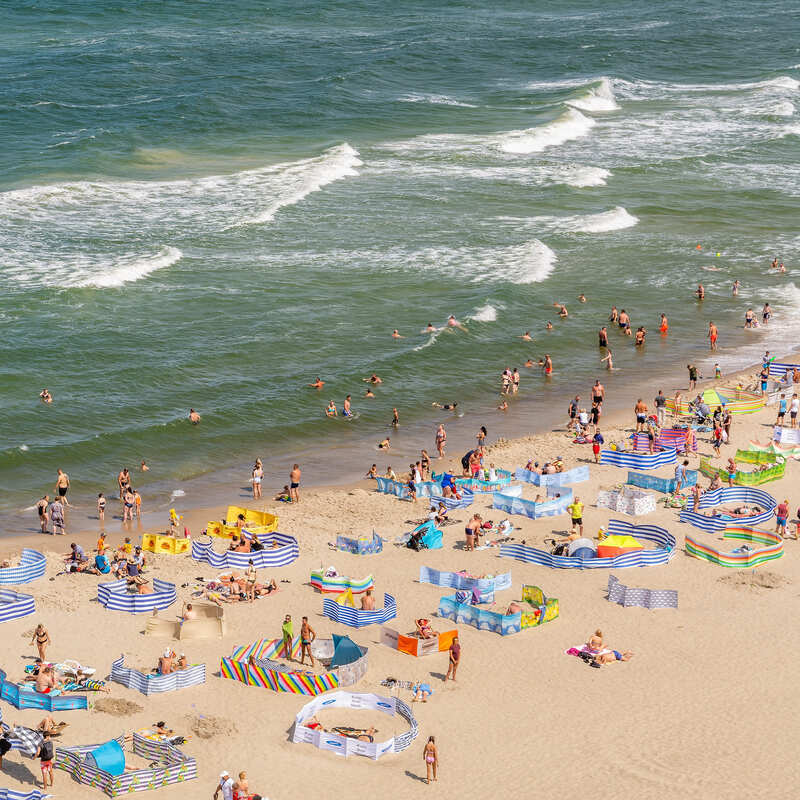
pixel 640 409
pixel 62 486
pixel 307 635
pixel 712 335
pixel 294 483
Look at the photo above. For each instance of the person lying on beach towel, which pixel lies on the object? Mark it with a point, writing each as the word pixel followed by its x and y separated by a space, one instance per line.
pixel 422 691
pixel 424 630
pixel 595 653
pixel 49 724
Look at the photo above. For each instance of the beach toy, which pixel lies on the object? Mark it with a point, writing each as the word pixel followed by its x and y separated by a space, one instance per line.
pixel 617 545
pixel 341 745
pixel 109 757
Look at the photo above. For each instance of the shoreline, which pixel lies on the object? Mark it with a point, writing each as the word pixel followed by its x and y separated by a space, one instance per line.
pixel 195 514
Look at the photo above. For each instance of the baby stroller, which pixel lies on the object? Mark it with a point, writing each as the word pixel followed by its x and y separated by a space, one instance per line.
pixel 701 413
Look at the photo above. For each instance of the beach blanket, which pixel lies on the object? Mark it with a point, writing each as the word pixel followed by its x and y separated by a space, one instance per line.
pixel 578 650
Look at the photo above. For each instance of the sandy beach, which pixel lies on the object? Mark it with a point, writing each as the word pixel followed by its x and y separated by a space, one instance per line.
pixel 705 708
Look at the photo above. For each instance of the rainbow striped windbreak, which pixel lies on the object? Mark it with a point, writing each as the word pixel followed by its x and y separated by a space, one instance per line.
pixel 773 548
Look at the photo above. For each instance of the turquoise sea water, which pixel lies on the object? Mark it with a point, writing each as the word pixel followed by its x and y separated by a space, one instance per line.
pixel 209 204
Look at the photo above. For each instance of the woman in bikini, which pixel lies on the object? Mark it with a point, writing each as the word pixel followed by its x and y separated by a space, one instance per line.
pixel 431 756
pixel 258 476
pixel 42 639
pixel 441 440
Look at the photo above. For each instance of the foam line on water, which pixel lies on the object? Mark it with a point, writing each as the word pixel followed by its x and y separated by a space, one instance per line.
pixel 570 125
pixel 617 218
pixel 599 97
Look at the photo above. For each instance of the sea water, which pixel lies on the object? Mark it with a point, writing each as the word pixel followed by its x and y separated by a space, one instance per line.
pixel 209 205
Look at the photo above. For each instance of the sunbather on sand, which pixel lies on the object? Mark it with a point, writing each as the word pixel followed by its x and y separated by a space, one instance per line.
pixel 266 588
pixel 49 724
pixel 362 734
pixel 614 655
pixel 46 681
pixel 424 630
pixel 367 601
pixel 513 608
pixel 166 662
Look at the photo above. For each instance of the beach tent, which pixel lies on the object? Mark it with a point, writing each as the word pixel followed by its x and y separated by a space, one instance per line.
pixel 582 548
pixel 433 539
pixel 345 651
pixel 617 545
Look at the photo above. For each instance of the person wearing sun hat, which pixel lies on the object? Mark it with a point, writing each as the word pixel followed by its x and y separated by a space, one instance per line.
pixel 225 786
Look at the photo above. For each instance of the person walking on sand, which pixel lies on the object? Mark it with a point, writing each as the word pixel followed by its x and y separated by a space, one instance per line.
pixel 781 516
pixel 454 654
pixel 294 483
pixel 441 440
pixel 41 510
pixel 62 486
pixel 258 477
pixel 712 335
pixel 250 578
pixel 576 512
pixel 46 753
pixel 431 757
pixel 307 635
pixel 57 516
pixel 680 475
pixel 794 407
pixel 225 786
pixel 42 638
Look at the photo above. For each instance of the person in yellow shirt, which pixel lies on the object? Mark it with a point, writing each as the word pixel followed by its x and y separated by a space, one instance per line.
pixel 576 511
pixel 101 543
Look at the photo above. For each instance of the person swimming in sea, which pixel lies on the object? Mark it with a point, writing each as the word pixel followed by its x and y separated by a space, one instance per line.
pixel 445 406
pixel 549 325
pixel 581 298
pixel 385 444
pixel 430 328
pixel 452 322
pixel 396 335
pixel 526 337
pixel 318 384
pixel 45 396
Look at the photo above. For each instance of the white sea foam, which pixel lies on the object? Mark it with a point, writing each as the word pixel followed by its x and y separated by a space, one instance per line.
pixel 434 99
pixel 616 219
pixel 784 109
pixel 484 313
pixel 599 97
pixel 576 175
pixel 44 227
pixel 529 262
pixel 127 270
pixel 24 448
pixel 570 125
pixel 176 493
pixel 309 175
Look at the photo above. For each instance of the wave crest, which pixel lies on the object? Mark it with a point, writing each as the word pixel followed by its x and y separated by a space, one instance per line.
pixel 570 125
